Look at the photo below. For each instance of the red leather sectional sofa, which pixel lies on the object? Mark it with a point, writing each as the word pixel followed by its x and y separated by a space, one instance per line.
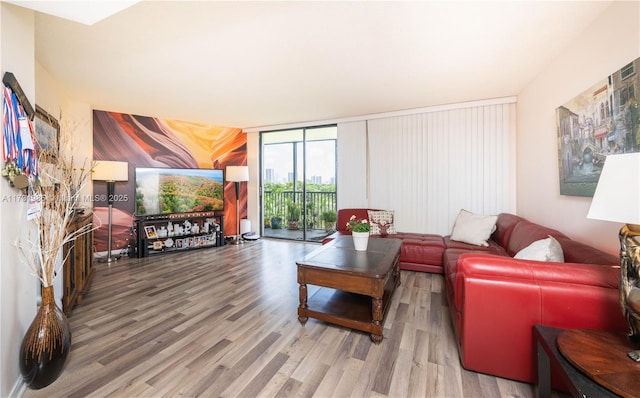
pixel 494 299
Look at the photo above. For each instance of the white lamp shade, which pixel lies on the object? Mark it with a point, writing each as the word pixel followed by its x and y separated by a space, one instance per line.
pixel 108 170
pixel 237 173
pixel 617 196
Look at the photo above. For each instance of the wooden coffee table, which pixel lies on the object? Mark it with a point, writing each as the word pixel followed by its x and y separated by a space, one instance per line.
pixel 356 286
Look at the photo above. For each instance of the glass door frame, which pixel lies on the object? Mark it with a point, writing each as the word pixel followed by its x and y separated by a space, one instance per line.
pixel 299 197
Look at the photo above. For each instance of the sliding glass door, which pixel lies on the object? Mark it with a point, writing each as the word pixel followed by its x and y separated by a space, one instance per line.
pixel 298 184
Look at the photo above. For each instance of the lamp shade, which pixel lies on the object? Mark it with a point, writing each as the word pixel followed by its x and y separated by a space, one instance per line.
pixel 108 170
pixel 617 196
pixel 237 173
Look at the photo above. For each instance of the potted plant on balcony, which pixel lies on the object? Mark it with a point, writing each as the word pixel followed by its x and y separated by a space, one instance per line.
pixel 293 214
pixel 310 216
pixel 276 222
pixel 329 217
pixel 268 212
pixel 267 221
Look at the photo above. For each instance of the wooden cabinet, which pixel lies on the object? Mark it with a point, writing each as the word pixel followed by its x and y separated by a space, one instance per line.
pixel 177 232
pixel 78 265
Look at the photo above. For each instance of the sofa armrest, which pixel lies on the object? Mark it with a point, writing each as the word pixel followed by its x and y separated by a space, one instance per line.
pixel 492 266
pixel 499 299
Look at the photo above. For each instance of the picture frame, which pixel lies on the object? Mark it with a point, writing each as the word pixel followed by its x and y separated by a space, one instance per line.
pixel 47 132
pixel 600 121
pixel 150 231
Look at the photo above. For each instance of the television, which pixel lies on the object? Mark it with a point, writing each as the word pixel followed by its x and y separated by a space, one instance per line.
pixel 173 191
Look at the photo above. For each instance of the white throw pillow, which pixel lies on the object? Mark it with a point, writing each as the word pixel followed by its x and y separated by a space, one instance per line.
pixel 548 249
pixel 473 229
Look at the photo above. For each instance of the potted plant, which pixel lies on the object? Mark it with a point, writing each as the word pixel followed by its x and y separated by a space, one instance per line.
pixel 276 222
pixel 268 210
pixel 360 231
pixel 329 217
pixel 293 214
pixel 310 216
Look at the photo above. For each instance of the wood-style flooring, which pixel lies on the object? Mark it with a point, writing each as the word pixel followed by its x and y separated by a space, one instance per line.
pixel 222 322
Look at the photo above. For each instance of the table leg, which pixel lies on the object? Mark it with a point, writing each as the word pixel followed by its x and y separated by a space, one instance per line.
pixel 376 319
pixel 303 304
pixel 543 388
pixel 396 272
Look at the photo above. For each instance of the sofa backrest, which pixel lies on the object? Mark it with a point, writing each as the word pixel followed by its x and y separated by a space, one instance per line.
pixel 525 233
pixel 576 252
pixel 504 227
pixel 514 233
pixel 344 215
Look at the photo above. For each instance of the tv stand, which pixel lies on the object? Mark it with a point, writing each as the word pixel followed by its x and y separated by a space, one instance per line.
pixel 170 233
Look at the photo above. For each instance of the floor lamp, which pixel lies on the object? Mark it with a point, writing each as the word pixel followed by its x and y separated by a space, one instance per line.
pixel 237 174
pixel 110 171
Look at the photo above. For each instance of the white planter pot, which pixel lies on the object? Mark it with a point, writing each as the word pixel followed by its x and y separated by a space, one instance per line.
pixel 360 240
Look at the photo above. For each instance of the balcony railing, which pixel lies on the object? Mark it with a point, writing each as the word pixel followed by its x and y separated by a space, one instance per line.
pixel 316 203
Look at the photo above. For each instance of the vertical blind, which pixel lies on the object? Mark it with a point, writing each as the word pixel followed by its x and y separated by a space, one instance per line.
pixel 427 166
pixel 352 182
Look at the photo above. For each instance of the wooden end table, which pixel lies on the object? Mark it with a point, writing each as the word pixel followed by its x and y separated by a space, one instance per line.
pixel 580 384
pixel 603 357
pixel 356 286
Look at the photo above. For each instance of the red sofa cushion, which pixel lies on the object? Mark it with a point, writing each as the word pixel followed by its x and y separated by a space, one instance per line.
pixel 344 215
pixel 525 233
pixel 576 252
pixel 504 227
pixel 420 248
pixel 457 245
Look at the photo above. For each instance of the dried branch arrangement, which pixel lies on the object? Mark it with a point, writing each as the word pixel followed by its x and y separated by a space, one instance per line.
pixel 53 199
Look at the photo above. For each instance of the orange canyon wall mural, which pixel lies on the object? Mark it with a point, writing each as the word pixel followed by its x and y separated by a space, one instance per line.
pixel 144 141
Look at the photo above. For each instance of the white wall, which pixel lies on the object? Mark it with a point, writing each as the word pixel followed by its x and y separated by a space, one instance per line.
pixel 74 117
pixel 610 43
pixel 52 98
pixel 17 287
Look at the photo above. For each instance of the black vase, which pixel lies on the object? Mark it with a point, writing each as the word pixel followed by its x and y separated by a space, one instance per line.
pixel 46 344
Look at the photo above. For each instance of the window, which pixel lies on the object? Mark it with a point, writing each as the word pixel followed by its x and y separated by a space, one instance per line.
pixel 627 71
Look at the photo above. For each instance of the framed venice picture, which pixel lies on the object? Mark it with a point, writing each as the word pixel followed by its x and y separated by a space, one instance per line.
pixel 603 120
pixel 47 132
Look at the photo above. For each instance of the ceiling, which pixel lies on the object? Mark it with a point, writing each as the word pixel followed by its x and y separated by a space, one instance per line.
pixel 247 64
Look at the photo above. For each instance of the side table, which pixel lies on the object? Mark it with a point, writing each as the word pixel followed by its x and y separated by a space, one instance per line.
pixel 603 357
pixel 578 383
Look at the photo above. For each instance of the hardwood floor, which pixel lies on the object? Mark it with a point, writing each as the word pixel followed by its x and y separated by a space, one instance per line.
pixel 223 322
